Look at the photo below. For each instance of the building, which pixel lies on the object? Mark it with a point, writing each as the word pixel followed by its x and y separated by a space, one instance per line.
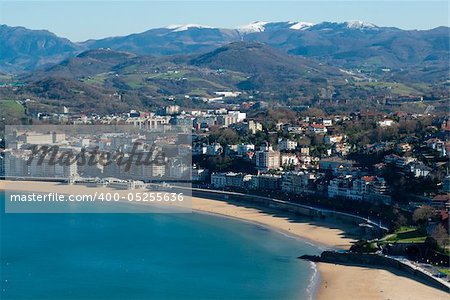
pixel 446 184
pixel 199 174
pixel 366 188
pixel 298 182
pixel 333 139
pixel 213 149
pixel 287 145
pixel 317 128
pixel 327 122
pixel 240 116
pixel 289 160
pixel 441 201
pixel 226 120
pixel 253 127
pixel 242 149
pixel 178 170
pixel 437 145
pixel 304 151
pixel 267 159
pixel 230 180
pixel 218 180
pixel 418 169
pixel 35 138
pixel 149 122
pixel 199 149
pixel 266 182
pixel 150 171
pixel 172 110
pixel 336 164
pixel 386 123
pixel 339 187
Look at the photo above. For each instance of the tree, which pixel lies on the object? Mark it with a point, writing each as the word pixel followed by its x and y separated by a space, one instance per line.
pixel 440 234
pixel 422 214
pixel 401 220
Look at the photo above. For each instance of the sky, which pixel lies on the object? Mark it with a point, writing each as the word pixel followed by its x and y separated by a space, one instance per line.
pixel 81 20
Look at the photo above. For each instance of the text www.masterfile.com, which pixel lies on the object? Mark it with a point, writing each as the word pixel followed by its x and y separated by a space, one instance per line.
pixel 99 196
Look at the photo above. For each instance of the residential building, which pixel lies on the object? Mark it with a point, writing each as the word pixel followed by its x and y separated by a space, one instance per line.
pixel 266 182
pixel 317 128
pixel 298 182
pixel 253 127
pixel 267 159
pixel 287 145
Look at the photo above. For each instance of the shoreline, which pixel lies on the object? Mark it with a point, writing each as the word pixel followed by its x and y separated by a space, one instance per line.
pixel 331 282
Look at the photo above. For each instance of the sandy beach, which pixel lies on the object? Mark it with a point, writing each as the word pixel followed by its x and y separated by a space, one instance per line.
pixel 337 282
pixel 348 282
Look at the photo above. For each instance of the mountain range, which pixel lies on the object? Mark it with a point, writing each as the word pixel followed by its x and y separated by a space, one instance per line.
pixel 349 45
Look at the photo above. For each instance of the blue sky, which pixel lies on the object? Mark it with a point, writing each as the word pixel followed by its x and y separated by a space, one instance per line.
pixel 81 20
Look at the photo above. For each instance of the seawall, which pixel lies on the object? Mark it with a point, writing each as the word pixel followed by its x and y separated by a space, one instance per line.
pixel 296 208
pixel 382 262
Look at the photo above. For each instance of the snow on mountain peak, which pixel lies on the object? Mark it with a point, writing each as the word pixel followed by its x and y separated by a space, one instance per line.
pixel 257 26
pixel 176 28
pixel 360 25
pixel 300 25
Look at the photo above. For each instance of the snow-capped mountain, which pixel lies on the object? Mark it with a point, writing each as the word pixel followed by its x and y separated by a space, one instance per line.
pixel 301 25
pixel 177 28
pixel 261 26
pixel 258 26
pixel 360 25
pixel 348 43
pixel 348 25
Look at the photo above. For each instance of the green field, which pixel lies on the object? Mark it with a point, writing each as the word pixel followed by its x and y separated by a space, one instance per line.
pixel 445 271
pixel 11 112
pixel 98 79
pixel 169 75
pixel 11 108
pixel 406 235
pixel 396 88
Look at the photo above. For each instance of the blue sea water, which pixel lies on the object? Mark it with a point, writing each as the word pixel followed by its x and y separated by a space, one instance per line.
pixel 148 256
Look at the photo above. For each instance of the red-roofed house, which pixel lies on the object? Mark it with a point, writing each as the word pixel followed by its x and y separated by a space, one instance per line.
pixel 317 128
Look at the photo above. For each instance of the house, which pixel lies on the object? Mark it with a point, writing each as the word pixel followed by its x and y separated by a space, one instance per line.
pixel 333 139
pixel 336 164
pixel 341 149
pixel 386 123
pixel 441 201
pixel 287 145
pixel 288 159
pixel 199 149
pixel 304 151
pixel 327 122
pixel 213 149
pixel 317 128
pixel 438 145
pixel 404 147
pixel 418 169
pixel 293 129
